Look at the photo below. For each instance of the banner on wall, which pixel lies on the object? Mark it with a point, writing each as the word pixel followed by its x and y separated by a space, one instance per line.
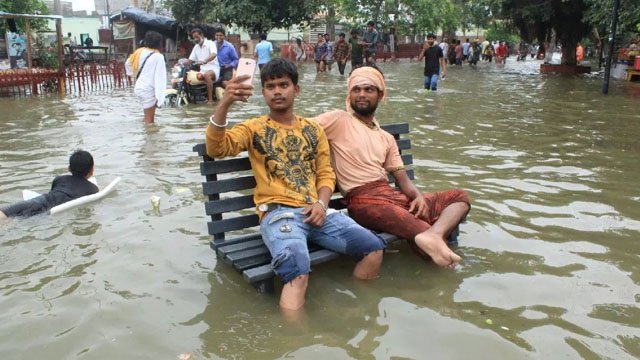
pixel 17 50
pixel 124 30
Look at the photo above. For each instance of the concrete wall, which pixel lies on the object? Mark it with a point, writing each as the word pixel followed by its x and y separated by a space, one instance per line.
pixel 77 26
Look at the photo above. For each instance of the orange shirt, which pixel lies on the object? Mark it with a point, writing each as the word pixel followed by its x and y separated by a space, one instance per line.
pixel 359 155
pixel 579 53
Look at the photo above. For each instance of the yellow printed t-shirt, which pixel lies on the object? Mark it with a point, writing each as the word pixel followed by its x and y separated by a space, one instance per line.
pixel 289 163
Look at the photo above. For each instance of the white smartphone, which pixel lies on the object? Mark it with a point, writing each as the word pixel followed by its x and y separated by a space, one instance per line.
pixel 246 66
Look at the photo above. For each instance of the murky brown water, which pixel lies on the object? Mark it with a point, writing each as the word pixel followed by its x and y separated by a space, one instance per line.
pixel 551 266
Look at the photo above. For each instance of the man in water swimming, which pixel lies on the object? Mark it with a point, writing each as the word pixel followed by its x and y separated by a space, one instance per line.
pixel 63 189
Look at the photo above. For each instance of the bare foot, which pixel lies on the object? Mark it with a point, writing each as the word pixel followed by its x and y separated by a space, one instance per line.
pixel 437 248
pixel 369 267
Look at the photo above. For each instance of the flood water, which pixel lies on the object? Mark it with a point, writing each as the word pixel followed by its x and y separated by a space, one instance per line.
pixel 551 264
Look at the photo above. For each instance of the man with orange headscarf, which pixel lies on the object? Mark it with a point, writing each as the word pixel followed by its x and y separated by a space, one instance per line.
pixel 362 154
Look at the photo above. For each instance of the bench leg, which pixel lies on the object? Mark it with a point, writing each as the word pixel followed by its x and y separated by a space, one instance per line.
pixel 265 286
pixel 452 240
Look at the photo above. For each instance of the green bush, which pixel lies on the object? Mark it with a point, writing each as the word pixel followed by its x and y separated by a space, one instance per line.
pixel 46 54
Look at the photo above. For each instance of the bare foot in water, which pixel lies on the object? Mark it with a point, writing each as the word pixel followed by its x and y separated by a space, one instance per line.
pixel 437 248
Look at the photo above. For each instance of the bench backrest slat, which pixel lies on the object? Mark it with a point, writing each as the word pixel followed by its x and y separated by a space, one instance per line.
pixel 232 224
pixel 225 166
pixel 404 144
pixel 396 129
pixel 229 205
pixel 227 185
pixel 407 159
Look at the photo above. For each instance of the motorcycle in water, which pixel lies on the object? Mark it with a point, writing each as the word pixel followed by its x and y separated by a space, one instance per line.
pixel 187 85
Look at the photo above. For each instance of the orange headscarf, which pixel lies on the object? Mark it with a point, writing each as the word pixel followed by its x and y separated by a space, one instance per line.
pixel 366 75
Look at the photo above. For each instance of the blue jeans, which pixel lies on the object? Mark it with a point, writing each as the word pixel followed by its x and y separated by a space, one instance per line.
pixel 431 82
pixel 286 236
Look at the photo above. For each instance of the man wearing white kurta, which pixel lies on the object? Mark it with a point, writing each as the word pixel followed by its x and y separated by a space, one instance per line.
pixel 204 53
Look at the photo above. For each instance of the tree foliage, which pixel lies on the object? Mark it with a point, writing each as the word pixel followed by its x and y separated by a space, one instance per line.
pixel 34 7
pixel 475 13
pixel 569 20
pixel 254 15
pixel 601 11
pixel 362 11
pixel 264 15
pixel 188 11
pixel 498 31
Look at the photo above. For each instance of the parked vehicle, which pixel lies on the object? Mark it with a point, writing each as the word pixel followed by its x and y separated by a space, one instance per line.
pixel 187 85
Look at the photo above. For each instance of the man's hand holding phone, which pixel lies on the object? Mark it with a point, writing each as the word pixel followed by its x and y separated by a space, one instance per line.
pixel 246 66
pixel 237 89
pixel 240 87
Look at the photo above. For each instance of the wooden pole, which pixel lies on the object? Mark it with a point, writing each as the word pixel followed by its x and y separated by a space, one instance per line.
pixel 29 49
pixel 61 79
pixel 34 84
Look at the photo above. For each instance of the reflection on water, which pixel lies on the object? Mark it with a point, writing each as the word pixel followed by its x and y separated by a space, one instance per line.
pixel 550 248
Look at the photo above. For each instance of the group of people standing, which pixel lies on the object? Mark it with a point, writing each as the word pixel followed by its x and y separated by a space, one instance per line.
pixel 358 50
pixel 457 52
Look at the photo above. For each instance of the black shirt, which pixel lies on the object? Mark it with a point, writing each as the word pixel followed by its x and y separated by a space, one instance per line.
pixel 68 187
pixel 63 189
pixel 432 57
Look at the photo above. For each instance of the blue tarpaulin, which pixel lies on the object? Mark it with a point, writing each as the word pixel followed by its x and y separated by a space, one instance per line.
pixel 143 17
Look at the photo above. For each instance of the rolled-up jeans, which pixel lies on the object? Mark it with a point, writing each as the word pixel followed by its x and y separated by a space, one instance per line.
pixel 286 236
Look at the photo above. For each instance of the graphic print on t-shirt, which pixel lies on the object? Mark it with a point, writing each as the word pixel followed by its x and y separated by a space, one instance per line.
pixel 289 157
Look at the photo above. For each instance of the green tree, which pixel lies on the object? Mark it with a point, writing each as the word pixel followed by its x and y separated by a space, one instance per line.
pixel 600 13
pixel 537 18
pixel 362 11
pixel 254 15
pixel 264 15
pixel 474 14
pixel 188 11
pixel 419 16
pixel 34 7
pixel 498 31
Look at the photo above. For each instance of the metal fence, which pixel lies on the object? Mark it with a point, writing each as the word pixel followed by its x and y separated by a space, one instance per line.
pixel 23 82
pixel 84 78
pixel 77 78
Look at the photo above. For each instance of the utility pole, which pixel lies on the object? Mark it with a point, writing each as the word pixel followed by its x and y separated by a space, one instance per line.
pixel 612 42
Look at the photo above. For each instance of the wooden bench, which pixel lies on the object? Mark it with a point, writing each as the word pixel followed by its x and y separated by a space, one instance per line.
pixel 631 73
pixel 234 224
